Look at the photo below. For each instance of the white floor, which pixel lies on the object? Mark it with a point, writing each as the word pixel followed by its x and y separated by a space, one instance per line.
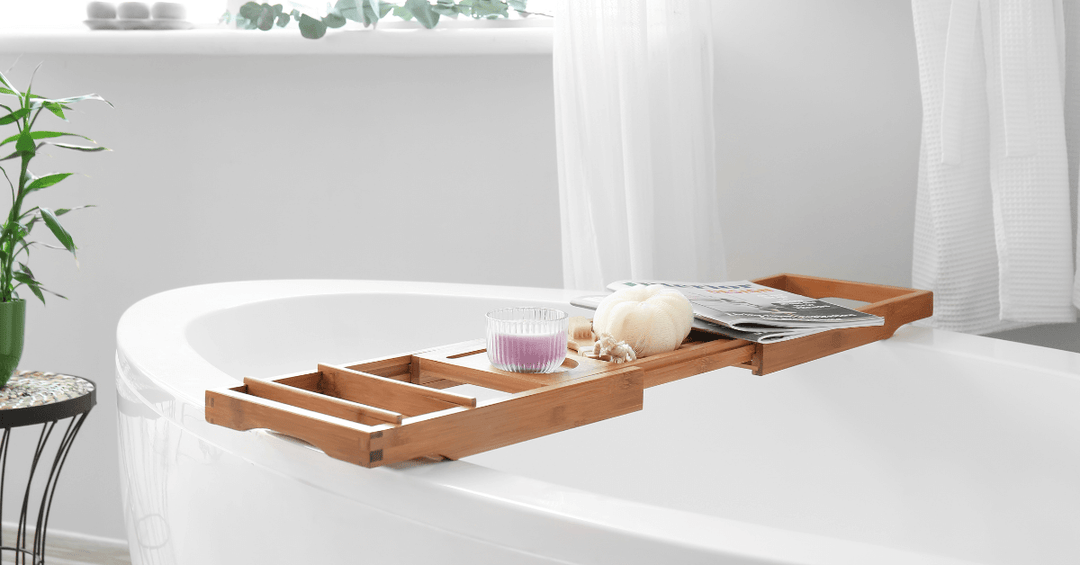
pixel 65 548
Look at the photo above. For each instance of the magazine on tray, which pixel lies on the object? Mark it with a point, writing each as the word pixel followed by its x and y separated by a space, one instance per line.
pixel 750 311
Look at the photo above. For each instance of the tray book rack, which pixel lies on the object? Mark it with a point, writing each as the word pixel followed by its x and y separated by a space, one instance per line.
pixel 396 408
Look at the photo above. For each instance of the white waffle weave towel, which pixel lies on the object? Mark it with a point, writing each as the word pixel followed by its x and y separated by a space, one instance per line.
pixel 993 234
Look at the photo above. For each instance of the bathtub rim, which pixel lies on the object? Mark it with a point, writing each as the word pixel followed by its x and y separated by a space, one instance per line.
pixel 171 372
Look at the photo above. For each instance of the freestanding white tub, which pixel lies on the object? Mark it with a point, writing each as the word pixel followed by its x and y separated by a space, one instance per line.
pixel 929 448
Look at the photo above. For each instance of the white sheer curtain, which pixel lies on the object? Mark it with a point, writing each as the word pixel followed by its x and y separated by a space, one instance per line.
pixel 634 126
pixel 993 234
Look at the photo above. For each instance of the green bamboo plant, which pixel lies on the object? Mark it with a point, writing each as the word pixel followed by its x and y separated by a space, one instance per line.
pixel 23 112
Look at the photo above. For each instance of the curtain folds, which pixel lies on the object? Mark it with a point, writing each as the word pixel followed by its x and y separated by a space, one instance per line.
pixel 634 127
pixel 993 230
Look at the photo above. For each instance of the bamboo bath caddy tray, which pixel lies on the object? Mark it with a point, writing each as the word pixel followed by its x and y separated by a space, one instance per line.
pixel 393 409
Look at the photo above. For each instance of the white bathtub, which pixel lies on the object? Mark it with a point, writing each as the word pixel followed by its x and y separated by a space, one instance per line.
pixel 929 448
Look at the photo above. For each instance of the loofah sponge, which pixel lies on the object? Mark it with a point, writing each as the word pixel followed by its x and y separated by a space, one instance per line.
pixel 651 319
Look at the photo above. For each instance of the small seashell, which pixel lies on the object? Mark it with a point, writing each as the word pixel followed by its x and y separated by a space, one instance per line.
pixel 607 348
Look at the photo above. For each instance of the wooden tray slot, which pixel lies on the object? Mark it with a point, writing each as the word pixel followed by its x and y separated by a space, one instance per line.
pixel 337 407
pixel 401 368
pixel 338 438
pixel 467 362
pixel 399 396
pixel 530 414
pixel 397 367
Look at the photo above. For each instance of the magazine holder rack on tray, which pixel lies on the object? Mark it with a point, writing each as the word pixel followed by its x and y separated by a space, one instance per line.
pixel 393 409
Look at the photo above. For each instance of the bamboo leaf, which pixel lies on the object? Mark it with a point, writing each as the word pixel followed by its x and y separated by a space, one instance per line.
pixel 61 234
pixel 56 294
pixel 4 80
pixel 56 109
pixel 65 101
pixel 49 134
pixel 62 211
pixel 34 286
pixel 47 181
pixel 45 135
pixel 25 145
pixel 24 269
pixel 16 115
pixel 80 147
pixel 43 244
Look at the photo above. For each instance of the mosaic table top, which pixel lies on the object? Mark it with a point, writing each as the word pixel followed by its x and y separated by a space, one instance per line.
pixel 39 388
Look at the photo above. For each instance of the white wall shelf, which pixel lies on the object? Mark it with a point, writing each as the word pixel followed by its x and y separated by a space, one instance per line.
pixel 494 40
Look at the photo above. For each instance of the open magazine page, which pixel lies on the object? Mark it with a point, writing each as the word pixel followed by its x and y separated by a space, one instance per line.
pixel 771 335
pixel 749 306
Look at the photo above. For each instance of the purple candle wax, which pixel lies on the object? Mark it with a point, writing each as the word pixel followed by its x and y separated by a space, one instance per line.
pixel 532 353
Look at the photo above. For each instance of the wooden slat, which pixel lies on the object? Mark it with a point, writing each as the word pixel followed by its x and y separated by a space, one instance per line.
pixel 396 367
pixel 694 360
pixel 338 438
pixel 340 408
pixel 399 396
pixel 306 381
pixel 523 416
pixel 820 287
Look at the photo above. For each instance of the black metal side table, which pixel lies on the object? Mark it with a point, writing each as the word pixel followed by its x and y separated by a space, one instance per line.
pixel 34 397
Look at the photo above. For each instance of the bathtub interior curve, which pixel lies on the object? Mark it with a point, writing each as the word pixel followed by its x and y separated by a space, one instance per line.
pixel 933 443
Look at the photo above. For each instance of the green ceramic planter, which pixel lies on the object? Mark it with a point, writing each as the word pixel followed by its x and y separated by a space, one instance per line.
pixel 12 324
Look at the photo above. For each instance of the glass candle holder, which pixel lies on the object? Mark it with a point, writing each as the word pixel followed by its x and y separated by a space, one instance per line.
pixel 527 339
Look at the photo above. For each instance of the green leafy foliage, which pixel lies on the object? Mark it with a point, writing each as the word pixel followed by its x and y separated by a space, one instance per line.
pixel 253 15
pixel 421 10
pixel 17 226
pixel 311 28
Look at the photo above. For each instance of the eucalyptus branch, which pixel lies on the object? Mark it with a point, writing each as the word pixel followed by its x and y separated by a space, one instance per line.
pixel 253 15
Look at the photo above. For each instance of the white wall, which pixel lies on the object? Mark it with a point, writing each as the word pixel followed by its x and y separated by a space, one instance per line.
pixel 259 167
pixel 251 167
pixel 818 121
